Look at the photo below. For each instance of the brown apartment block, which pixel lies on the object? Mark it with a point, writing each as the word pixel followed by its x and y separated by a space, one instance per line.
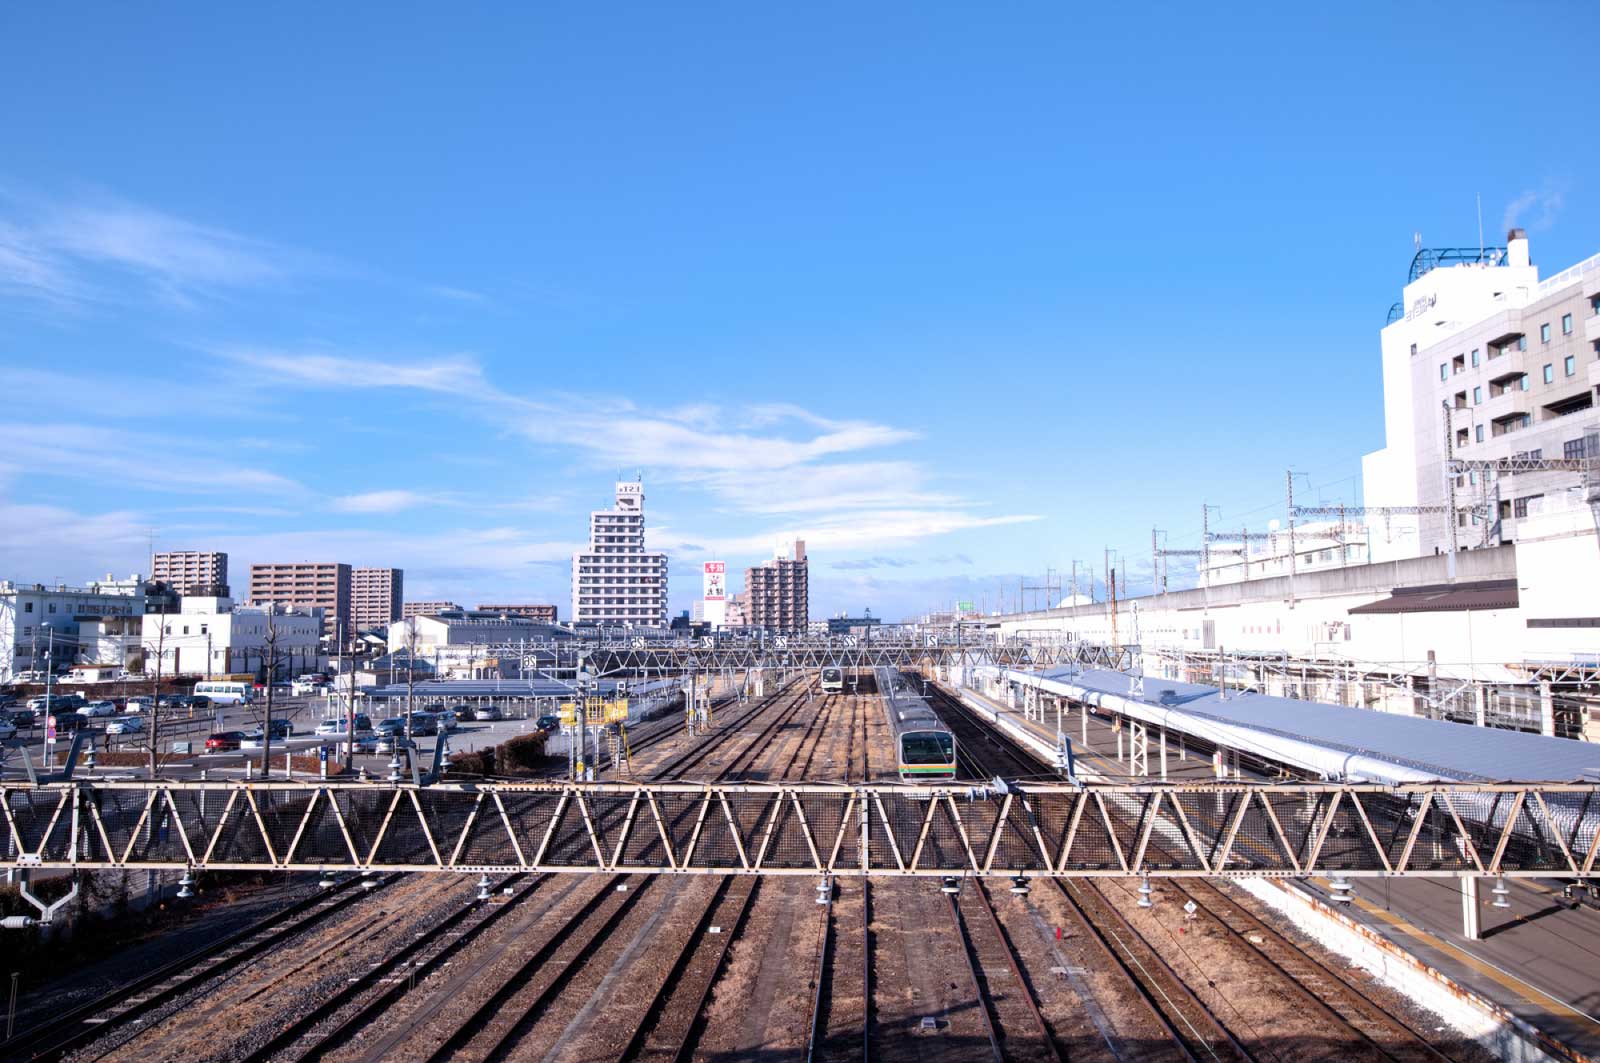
pixel 376 596
pixel 306 583
pixel 411 609
pixel 200 573
pixel 545 614
pixel 777 592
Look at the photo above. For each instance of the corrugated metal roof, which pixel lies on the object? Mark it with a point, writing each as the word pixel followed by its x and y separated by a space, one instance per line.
pixel 1447 597
pixel 1443 749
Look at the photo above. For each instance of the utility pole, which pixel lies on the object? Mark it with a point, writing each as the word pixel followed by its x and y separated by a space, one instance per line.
pixel 1288 477
pixel 1205 558
pixel 272 674
pixel 350 699
pixel 155 693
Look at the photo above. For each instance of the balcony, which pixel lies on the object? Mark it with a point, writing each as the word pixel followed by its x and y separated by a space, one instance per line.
pixel 1591 328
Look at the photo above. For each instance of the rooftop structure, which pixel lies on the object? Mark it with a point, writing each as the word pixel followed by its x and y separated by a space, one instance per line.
pixel 410 609
pixel 545 614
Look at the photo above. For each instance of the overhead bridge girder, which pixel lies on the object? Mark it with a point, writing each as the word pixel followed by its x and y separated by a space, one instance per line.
pixel 812 656
pixel 1227 830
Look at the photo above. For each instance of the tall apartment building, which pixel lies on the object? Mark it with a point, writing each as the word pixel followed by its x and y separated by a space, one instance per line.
pixel 192 573
pixel 307 584
pixel 411 609
pixel 777 592
pixel 376 596
pixel 545 614
pixel 616 581
pixel 1482 361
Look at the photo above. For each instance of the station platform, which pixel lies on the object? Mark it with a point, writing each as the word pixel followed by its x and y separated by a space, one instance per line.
pixel 1539 959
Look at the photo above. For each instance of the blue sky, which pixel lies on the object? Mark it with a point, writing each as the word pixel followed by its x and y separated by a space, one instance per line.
pixel 954 293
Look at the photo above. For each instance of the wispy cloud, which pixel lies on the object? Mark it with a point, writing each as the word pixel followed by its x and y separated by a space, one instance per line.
pixel 380 502
pixel 459 295
pixel 72 251
pixel 1534 209
pixel 122 458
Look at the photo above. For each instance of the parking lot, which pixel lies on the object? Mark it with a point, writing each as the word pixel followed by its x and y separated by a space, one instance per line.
pixel 177 726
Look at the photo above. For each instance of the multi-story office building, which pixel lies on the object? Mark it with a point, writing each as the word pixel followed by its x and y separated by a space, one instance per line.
pixel 376 596
pixel 777 592
pixel 616 582
pixel 1482 361
pixel 307 584
pixel 197 573
pixel 411 609
pixel 545 614
pixel 39 623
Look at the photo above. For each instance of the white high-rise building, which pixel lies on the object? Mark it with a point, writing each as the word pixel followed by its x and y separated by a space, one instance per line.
pixel 616 582
pixel 1482 360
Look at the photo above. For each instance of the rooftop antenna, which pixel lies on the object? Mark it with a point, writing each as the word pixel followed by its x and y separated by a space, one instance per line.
pixel 1480 228
pixel 1416 240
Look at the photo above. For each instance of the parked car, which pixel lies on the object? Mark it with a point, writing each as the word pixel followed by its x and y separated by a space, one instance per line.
pixel 126 725
pixel 99 708
pixel 424 723
pixel 7 729
pixel 388 743
pixel 48 702
pixel 393 725
pixel 199 701
pixel 22 717
pixel 486 714
pixel 223 741
pixel 170 701
pixel 336 726
pixel 465 712
pixel 549 724
pixel 363 744
pixel 447 720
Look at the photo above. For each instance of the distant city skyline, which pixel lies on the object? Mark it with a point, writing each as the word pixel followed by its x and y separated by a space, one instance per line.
pixel 953 300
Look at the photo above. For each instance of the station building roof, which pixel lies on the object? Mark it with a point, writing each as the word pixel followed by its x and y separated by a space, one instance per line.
pixel 1337 740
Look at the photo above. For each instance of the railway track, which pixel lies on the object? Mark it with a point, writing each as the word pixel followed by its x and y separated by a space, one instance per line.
pixel 1016 1027
pixel 1365 1025
pixel 111 1014
pixel 362 1000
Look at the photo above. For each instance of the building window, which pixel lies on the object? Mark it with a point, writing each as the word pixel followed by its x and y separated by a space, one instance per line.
pixel 1519 508
pixel 1522 342
pixel 1413 350
pixel 1573 449
pixel 52 607
pixel 29 608
pixel 1444 371
pixel 1474 357
pixel 1549 373
pixel 1479 433
pixel 1571 365
pixel 1522 381
pixel 1477 396
pixel 1544 332
pixel 1566 324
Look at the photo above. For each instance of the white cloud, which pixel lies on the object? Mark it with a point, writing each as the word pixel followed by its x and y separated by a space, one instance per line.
pixel 838 532
pixel 122 458
pixel 379 502
pixel 80 250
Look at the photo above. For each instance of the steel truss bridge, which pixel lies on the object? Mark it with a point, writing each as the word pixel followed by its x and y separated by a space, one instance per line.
pixel 811 655
pixel 1224 829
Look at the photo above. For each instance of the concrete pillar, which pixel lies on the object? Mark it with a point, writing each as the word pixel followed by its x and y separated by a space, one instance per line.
pixel 1163 754
pixel 1183 747
pixel 1218 768
pixel 1116 725
pixel 1083 718
pixel 1547 711
pixel 1233 761
pixel 1471 927
pixel 1480 700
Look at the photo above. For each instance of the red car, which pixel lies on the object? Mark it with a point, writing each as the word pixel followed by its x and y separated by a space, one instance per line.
pixel 223 741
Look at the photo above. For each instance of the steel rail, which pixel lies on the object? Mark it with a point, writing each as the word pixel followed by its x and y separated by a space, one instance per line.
pixel 83 1024
pixel 1024 985
pixel 343 1030
pixel 986 1006
pixel 480 1017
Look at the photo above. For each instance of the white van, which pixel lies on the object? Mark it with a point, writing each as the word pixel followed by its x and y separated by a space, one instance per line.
pixel 227 693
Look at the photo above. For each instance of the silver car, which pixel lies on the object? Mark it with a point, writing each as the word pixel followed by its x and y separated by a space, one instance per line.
pixel 125 725
pixel 99 708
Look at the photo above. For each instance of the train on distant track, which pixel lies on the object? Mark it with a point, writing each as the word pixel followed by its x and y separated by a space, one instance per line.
pixel 832 680
pixel 925 749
